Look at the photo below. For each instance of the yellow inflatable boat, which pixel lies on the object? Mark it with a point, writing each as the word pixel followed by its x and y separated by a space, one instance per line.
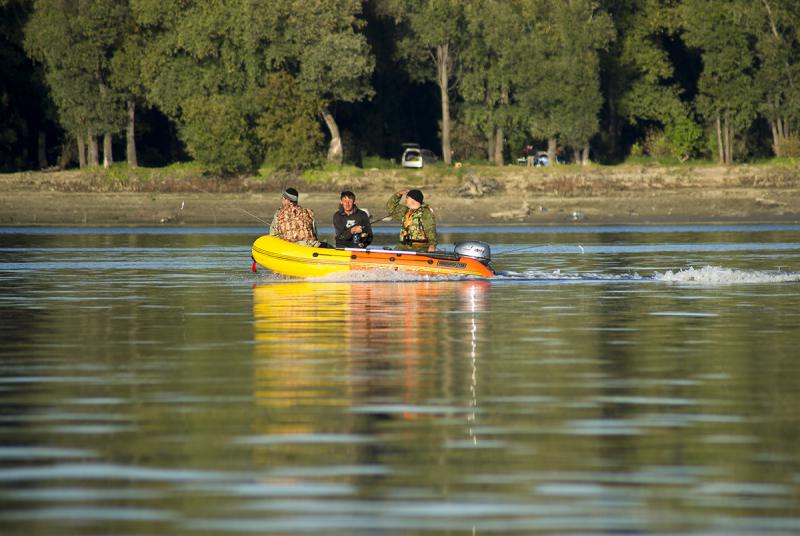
pixel 286 258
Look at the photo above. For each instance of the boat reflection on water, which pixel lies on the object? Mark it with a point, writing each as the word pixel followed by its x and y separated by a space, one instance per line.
pixel 335 348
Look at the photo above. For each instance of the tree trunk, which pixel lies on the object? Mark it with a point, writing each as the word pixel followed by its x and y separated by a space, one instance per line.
pixel 490 146
pixel 728 140
pixel 500 141
pixel 731 139
pixel 65 156
pixel 498 148
pixel 93 156
pixel 130 135
pixel 720 146
pixel 552 146
pixel 42 149
pixel 585 155
pixel 108 156
pixel 776 139
pixel 335 153
pixel 443 79
pixel 81 152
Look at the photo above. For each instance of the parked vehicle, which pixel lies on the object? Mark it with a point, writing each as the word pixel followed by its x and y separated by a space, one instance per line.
pixel 541 159
pixel 415 157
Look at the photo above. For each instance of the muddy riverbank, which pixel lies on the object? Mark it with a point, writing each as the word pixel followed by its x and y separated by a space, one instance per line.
pixel 481 195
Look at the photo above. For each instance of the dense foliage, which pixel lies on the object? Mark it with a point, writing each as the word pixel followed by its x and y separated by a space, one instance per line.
pixel 241 83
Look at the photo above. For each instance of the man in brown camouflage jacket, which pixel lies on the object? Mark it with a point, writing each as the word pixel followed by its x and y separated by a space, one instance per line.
pixel 294 223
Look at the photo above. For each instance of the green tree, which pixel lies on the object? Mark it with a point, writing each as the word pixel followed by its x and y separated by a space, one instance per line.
pixel 729 95
pixel 776 24
pixel 491 60
pixel 75 41
pixel 329 56
pixel 196 54
pixel 126 77
pixel 640 80
pixel 560 79
pixel 230 48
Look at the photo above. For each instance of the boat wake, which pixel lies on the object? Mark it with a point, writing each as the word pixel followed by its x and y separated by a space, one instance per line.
pixel 715 275
pixel 558 275
pixel 708 275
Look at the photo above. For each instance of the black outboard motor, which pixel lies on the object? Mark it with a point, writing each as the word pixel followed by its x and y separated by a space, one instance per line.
pixel 475 249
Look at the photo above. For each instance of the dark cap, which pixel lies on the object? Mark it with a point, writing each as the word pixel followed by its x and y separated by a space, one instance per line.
pixel 291 194
pixel 416 195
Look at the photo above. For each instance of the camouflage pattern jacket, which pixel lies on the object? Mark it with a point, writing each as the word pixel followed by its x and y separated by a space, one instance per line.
pixel 418 230
pixel 295 224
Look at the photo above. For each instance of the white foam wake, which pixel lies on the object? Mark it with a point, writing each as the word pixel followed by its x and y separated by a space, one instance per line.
pixel 558 275
pixel 715 275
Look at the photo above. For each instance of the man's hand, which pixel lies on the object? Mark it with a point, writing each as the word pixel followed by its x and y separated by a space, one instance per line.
pixel 356 229
pixel 401 192
pixel 431 248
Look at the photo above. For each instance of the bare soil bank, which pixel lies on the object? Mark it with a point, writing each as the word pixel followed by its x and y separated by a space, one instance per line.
pixel 481 195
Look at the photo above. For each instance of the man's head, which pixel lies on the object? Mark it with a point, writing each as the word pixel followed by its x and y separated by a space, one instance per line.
pixel 414 199
pixel 290 196
pixel 348 200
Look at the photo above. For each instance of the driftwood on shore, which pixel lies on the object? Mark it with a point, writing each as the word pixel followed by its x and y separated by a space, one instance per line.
pixel 475 186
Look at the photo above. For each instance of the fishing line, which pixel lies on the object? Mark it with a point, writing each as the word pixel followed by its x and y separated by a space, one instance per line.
pixel 237 208
pixel 580 247
pixel 523 249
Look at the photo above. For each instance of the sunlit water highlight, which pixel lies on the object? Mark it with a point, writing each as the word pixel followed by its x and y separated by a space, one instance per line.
pixel 609 380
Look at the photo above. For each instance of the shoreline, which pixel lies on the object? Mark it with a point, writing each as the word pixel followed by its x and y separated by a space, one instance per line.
pixel 479 196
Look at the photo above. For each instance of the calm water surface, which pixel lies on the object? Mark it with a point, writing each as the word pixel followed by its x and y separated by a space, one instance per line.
pixel 612 380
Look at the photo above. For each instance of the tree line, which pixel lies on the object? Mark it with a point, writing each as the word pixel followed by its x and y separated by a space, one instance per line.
pixel 243 82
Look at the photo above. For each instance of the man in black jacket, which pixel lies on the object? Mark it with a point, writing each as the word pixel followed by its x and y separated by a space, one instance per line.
pixel 352 226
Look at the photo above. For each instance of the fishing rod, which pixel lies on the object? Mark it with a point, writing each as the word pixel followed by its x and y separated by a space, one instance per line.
pixel 380 219
pixel 254 216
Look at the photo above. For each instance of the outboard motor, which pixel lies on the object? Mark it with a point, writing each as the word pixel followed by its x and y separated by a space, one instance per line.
pixel 475 249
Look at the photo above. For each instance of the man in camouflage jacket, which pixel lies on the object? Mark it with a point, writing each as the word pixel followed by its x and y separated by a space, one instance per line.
pixel 418 232
pixel 293 222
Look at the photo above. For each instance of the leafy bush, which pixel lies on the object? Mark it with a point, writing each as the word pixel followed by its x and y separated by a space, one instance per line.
pixel 655 143
pixel 789 147
pixel 216 134
pixel 288 127
pixel 684 138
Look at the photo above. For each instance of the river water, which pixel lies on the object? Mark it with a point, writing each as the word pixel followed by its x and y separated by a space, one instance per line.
pixel 611 380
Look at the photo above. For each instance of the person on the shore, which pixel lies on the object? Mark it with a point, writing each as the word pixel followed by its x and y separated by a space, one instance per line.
pixel 351 223
pixel 418 232
pixel 293 222
pixel 530 155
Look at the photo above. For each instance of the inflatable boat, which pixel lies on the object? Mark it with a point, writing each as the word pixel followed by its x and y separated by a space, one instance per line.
pixel 287 258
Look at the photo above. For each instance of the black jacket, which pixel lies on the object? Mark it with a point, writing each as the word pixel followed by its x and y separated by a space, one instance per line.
pixel 342 224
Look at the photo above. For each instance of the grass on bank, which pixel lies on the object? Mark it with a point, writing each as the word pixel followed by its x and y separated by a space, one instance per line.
pixel 373 172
